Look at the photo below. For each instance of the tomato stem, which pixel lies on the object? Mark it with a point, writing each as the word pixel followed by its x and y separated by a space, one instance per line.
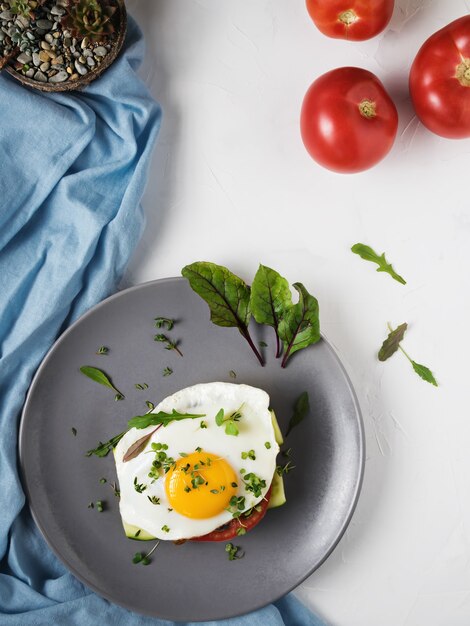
pixel 347 17
pixel 367 109
pixel 462 73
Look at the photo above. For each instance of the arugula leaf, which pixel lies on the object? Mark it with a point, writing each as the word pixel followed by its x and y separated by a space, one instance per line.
pixel 392 343
pixel 366 253
pixel 160 418
pixel 99 377
pixel 300 326
pixel 104 448
pixel 425 373
pixel 301 408
pixel 270 299
pixel 227 295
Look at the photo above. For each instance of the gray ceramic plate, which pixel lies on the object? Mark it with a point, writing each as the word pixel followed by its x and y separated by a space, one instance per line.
pixel 195 581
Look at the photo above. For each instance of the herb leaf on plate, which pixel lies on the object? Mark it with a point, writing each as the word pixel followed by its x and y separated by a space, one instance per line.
pixel 161 418
pixel 300 326
pixel 138 446
pixel 366 253
pixel 392 343
pixel 103 449
pixel 227 295
pixel 301 409
pixel 270 299
pixel 98 376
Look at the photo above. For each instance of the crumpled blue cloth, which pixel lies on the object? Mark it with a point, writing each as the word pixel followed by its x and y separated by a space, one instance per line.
pixel 73 170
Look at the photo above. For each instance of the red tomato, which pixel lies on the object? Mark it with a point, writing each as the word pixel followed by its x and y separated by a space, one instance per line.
pixel 348 120
pixel 354 20
pixel 229 531
pixel 440 81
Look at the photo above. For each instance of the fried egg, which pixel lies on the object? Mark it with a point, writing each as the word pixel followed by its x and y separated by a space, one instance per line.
pixel 195 475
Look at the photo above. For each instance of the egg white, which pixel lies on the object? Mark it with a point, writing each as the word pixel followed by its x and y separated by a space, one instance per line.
pixel 255 429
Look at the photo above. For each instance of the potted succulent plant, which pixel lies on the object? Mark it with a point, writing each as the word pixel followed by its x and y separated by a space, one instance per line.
pixel 60 45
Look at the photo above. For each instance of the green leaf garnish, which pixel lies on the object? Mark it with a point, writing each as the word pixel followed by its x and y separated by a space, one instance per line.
pixel 267 445
pixel 137 447
pixel 232 374
pixel 301 408
pixel 141 386
pixel 139 487
pixel 229 421
pixel 102 350
pixel 392 343
pixel 103 481
pixel 219 418
pixel 164 322
pixel 231 428
pixel 104 448
pixel 100 506
pixel 167 371
pixel 424 373
pixel 169 344
pixel 270 299
pixel 98 376
pixel 366 253
pixel 144 559
pixel 234 552
pixel 227 295
pixel 150 405
pixel 154 499
pixel 163 418
pixel 300 326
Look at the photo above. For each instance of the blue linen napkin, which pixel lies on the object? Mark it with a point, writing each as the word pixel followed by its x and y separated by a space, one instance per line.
pixel 73 170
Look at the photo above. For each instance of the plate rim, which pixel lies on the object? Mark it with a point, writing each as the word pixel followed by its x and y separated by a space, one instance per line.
pixel 22 474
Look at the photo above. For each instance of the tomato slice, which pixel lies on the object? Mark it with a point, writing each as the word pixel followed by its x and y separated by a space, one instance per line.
pixel 229 531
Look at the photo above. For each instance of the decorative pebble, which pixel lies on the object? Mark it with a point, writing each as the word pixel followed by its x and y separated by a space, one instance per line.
pixel 42 78
pixel 60 77
pixel 24 58
pixel 56 10
pixel 81 69
pixel 44 24
pixel 42 50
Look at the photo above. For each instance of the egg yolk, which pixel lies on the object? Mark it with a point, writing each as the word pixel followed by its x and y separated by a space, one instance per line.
pixel 200 485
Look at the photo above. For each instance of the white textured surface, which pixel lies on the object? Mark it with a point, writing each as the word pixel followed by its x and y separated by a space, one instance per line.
pixel 232 183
